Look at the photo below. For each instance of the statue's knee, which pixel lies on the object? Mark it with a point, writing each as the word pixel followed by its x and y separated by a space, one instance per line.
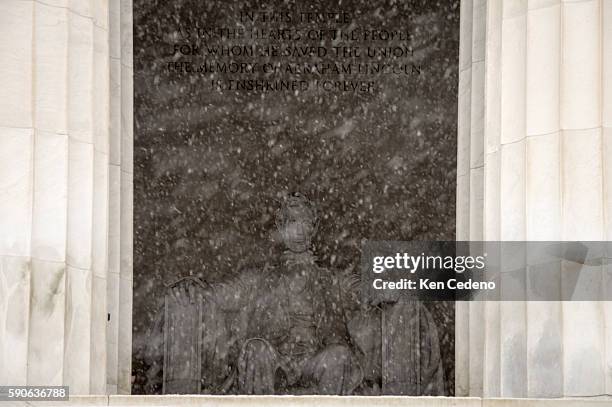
pixel 338 355
pixel 257 348
pixel 341 351
pixel 256 367
pixel 334 371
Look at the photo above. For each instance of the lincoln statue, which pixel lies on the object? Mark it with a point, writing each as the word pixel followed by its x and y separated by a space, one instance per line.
pixel 282 328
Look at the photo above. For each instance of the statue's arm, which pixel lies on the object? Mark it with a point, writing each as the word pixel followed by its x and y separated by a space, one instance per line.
pixel 231 295
pixel 226 296
pixel 236 293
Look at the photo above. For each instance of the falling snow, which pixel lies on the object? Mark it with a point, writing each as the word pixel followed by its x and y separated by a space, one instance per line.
pixel 210 167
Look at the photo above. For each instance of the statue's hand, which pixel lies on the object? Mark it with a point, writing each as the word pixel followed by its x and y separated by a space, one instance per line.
pixel 188 290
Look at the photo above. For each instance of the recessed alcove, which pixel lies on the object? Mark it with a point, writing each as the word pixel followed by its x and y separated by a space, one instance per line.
pixel 214 167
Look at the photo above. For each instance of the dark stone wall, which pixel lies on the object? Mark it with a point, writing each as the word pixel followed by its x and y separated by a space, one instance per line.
pixel 210 167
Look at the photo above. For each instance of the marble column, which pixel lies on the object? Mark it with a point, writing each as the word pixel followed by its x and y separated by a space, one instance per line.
pixel 66 194
pixel 535 163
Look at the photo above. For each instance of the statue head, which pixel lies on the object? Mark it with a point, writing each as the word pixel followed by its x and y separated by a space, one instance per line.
pixel 296 222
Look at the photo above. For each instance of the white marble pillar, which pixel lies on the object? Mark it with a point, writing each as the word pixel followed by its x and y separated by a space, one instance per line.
pixel 65 194
pixel 535 163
